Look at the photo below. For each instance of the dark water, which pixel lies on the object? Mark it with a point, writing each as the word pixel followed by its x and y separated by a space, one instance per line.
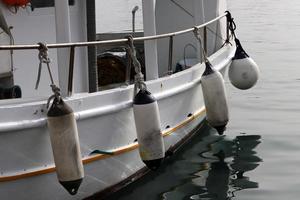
pixel 269 31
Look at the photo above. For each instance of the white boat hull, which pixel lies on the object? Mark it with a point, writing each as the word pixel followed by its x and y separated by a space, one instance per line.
pixel 105 122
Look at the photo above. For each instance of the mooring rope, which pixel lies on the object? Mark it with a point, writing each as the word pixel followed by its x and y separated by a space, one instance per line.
pixel 198 37
pixel 139 81
pixel 231 23
pixel 44 58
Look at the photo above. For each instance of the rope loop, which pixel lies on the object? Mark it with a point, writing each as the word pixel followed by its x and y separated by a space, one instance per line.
pixel 44 58
pixel 139 77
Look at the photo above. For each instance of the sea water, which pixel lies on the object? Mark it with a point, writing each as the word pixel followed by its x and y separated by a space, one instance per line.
pixel 259 158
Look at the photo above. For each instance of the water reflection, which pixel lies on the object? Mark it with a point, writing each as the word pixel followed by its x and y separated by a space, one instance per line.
pixel 209 167
pixel 223 169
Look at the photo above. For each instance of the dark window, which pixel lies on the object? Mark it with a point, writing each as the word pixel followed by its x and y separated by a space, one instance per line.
pixel 46 3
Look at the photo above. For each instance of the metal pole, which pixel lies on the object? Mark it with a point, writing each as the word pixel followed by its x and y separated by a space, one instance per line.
pixel 63 34
pixel 151 57
pixel 71 71
pixel 170 64
pixel 93 43
pixel 205 39
pixel 92 50
pixel 133 18
pixel 227 30
pixel 128 67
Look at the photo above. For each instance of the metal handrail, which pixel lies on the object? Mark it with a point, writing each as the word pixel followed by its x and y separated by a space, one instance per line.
pixel 93 43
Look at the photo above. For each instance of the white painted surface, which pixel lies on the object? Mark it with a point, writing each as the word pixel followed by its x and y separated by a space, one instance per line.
pixel 31 27
pixel 199 19
pixel 5 61
pixel 102 128
pixel 195 12
pixel 63 35
pixel 150 46
pixel 105 119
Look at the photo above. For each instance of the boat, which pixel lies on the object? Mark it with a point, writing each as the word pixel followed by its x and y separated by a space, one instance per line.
pixel 97 133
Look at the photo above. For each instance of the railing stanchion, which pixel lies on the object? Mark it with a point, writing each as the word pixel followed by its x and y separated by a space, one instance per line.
pixel 170 64
pixel 227 30
pixel 205 38
pixel 71 71
pixel 128 68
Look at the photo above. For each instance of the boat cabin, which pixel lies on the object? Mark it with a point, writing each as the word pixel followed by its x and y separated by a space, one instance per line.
pixel 41 21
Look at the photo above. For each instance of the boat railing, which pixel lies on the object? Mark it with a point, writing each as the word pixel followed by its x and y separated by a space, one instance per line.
pixel 73 45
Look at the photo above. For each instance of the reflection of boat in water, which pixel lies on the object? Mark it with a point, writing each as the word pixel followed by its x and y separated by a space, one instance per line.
pixel 222 173
pixel 93 131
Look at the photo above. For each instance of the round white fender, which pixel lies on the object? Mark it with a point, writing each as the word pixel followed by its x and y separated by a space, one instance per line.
pixel 147 122
pixel 215 101
pixel 243 72
pixel 65 145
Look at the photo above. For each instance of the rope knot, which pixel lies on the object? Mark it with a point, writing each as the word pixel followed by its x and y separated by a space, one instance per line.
pixel 56 95
pixel 139 78
pixel 43 53
pixel 55 89
pixel 130 41
pixel 44 58
pixel 196 32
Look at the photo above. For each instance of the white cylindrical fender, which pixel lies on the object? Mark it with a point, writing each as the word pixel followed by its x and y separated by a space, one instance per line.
pixel 149 135
pixel 243 72
pixel 215 101
pixel 65 146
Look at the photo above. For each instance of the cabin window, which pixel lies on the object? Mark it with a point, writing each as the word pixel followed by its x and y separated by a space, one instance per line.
pixel 46 3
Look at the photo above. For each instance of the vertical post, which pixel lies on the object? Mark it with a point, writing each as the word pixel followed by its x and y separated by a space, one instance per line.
pixel 133 18
pixel 92 50
pixel 71 71
pixel 150 46
pixel 205 39
pixel 199 18
pixel 128 68
pixel 133 22
pixel 227 29
pixel 63 35
pixel 170 64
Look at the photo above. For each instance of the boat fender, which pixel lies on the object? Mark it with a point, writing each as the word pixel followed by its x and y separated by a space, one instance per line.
pixel 214 95
pixel 147 122
pixel 243 72
pixel 65 145
pixel 17 3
